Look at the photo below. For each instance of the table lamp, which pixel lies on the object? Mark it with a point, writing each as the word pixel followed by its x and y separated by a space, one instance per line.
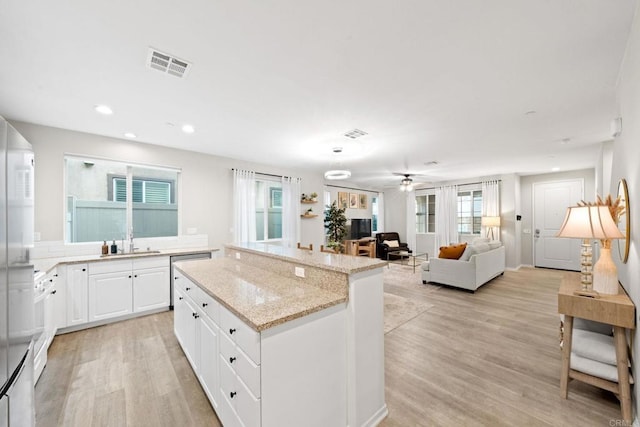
pixel 593 222
pixel 490 222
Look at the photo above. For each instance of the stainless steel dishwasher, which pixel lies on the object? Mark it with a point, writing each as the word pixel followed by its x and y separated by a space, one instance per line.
pixel 184 257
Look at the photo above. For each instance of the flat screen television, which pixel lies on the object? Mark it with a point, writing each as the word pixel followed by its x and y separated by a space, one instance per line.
pixel 360 228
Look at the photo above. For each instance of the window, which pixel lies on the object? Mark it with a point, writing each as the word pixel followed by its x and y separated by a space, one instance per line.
pixel 426 213
pixel 98 207
pixel 374 214
pixel 469 211
pixel 268 210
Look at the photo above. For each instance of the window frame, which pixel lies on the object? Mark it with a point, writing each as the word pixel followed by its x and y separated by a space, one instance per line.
pixel 175 187
pixel 429 214
pixel 475 221
pixel 267 193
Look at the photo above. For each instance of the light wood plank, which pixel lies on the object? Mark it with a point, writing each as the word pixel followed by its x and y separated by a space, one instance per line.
pixel 486 359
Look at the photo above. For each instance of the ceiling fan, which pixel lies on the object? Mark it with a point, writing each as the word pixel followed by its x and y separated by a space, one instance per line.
pixel 407 184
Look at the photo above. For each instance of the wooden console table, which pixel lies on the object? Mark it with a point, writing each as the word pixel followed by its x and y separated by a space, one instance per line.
pixel 361 247
pixel 616 310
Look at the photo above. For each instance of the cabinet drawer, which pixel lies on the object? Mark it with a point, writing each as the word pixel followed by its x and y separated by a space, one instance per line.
pixel 241 364
pixel 245 405
pixel 110 266
pixel 207 304
pixel 184 284
pixel 246 338
pixel 150 262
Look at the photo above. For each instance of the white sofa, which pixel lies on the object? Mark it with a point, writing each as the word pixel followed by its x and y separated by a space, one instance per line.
pixel 483 264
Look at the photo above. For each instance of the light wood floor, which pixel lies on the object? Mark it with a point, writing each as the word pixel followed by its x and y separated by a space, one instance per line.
pixel 484 359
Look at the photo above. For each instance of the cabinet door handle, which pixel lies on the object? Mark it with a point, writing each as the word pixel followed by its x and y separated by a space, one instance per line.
pixel 180 298
pixel 176 278
pixel 204 304
pixel 55 275
pixel 135 275
pixel 84 269
pixel 54 291
pixel 232 359
pixel 51 280
pixel 196 315
pixel 231 331
pixel 232 394
pixel 129 276
pixel 187 289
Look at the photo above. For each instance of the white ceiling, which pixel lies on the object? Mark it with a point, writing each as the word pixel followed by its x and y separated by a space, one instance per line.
pixel 279 82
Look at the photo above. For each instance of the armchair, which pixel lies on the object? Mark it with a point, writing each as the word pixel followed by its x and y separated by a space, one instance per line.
pixel 382 249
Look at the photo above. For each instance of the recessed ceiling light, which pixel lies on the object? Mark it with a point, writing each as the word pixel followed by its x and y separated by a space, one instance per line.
pixel 130 135
pixel 530 113
pixel 188 129
pixel 556 169
pixel 103 109
pixel 431 163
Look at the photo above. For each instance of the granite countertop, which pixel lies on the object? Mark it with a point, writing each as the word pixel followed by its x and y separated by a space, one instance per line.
pixel 336 262
pixel 47 264
pixel 261 298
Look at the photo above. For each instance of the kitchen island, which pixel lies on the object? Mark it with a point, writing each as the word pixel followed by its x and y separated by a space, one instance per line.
pixel 280 336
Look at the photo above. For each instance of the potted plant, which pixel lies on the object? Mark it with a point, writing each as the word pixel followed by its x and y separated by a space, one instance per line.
pixel 335 223
pixel 314 197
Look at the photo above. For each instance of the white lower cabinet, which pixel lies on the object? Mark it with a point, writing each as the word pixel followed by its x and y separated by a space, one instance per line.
pixel 102 290
pixel 77 284
pixel 185 325
pixel 110 295
pixel 290 375
pixel 208 372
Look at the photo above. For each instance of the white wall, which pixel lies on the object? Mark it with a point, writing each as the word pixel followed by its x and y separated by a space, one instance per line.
pixel 526 191
pixel 206 188
pixel 626 154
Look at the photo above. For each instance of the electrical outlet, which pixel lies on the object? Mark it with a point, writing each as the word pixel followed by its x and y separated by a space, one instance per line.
pixel 299 271
pixel 237 255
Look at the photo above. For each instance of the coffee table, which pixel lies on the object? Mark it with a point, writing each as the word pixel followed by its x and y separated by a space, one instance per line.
pixel 411 258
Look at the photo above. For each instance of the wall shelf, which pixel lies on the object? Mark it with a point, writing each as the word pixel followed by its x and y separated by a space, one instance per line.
pixel 308 202
pixel 308 216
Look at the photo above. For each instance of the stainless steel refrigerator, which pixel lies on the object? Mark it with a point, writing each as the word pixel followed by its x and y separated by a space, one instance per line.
pixel 16 279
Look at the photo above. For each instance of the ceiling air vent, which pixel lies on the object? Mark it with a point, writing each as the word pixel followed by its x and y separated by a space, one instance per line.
pixel 167 64
pixel 356 133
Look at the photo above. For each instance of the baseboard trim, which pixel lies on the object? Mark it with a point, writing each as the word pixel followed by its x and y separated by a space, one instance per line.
pixel 377 417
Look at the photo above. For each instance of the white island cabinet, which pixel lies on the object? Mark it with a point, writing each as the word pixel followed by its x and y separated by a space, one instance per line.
pixel 274 350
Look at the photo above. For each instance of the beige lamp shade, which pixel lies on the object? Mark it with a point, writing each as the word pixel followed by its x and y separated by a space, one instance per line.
pixel 589 222
pixel 490 221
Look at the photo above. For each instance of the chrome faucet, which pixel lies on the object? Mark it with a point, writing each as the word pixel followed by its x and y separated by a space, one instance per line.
pixel 131 245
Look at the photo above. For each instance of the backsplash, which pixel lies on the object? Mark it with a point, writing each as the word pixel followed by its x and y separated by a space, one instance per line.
pixel 58 249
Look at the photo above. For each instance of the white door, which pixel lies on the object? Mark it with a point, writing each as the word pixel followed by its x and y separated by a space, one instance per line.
pixel 110 295
pixel 550 203
pixel 150 289
pixel 77 295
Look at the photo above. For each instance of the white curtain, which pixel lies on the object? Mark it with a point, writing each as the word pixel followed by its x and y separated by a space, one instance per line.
pixel 244 206
pixel 491 204
pixel 446 215
pixel 411 220
pixel 290 211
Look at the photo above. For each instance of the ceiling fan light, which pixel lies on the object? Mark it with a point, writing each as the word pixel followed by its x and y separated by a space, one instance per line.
pixel 336 174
